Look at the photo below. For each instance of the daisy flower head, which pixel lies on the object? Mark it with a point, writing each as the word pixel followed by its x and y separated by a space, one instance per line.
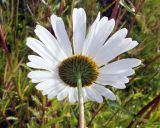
pixel 57 64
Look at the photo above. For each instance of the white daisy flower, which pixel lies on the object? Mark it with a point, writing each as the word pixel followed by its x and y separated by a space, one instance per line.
pixel 57 63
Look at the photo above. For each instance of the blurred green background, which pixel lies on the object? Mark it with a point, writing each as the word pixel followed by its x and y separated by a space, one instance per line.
pixel 22 106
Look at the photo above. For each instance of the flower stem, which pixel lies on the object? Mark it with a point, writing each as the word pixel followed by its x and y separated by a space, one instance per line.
pixel 81 103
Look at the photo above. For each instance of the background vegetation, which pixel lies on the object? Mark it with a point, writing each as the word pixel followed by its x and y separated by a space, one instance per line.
pixel 22 106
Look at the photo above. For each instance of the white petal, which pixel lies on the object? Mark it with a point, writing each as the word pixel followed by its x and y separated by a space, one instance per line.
pixel 63 94
pixel 125 63
pixel 61 34
pixel 39 76
pixel 39 48
pixel 117 37
pixel 32 65
pixel 47 85
pixel 127 72
pixel 76 94
pixel 50 42
pixel 92 95
pixel 84 94
pixel 79 29
pixel 56 91
pixel 90 36
pixel 52 89
pixel 103 79
pixel 39 63
pixel 72 97
pixel 104 92
pixel 102 32
pixel 114 84
pixel 121 66
pixel 114 48
pixel 98 95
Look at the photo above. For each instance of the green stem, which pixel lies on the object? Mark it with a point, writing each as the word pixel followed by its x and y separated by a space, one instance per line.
pixel 81 103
